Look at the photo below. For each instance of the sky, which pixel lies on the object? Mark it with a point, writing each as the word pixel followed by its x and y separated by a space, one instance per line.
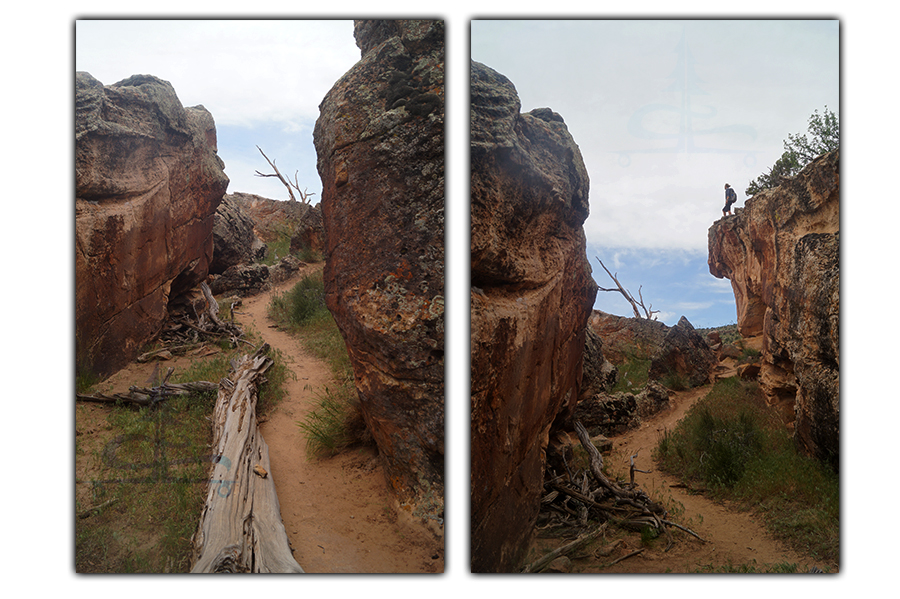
pixel 665 113
pixel 262 80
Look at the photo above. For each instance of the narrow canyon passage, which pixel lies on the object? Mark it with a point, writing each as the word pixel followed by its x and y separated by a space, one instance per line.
pixel 337 511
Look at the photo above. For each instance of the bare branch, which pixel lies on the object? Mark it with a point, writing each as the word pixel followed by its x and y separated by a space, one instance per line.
pixel 286 182
pixel 627 295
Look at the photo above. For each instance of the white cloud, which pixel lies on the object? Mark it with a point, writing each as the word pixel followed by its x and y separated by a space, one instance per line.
pixel 244 72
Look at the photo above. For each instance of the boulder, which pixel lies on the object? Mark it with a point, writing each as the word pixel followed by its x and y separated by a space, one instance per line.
pixel 614 414
pixel 234 241
pixel 531 296
pixel 309 231
pixel 245 280
pixel 684 353
pixel 147 185
pixel 781 253
pixel 380 145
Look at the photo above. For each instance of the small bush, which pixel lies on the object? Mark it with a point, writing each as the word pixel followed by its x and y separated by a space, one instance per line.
pixel 302 303
pixel 740 450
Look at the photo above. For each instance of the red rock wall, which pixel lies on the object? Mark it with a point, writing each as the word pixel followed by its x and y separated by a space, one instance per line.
pixel 147 184
pixel 532 294
pixel 380 145
pixel 782 255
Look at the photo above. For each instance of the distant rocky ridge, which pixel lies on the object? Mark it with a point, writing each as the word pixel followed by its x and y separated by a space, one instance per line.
pixel 147 185
pixel 531 297
pixel 782 255
pixel 380 145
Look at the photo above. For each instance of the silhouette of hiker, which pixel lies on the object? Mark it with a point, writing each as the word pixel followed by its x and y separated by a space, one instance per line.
pixel 730 198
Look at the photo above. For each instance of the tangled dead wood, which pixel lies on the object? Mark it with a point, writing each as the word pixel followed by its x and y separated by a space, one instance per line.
pixel 148 396
pixel 576 500
pixel 193 323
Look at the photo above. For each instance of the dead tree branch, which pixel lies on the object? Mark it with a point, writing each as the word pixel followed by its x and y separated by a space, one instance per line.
pixel 635 303
pixel 304 195
pixel 541 563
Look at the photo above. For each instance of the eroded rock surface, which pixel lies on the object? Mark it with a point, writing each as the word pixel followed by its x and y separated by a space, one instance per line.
pixel 684 353
pixel 380 145
pixel 147 184
pixel 782 255
pixel 234 240
pixel 531 296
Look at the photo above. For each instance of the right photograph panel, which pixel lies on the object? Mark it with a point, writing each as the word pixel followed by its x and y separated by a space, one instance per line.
pixel 655 296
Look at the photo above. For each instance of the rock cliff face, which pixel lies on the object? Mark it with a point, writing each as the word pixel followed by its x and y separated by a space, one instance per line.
pixel 532 294
pixel 380 145
pixel 782 255
pixel 147 184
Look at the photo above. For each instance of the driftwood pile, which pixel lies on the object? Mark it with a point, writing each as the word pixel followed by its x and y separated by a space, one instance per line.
pixel 583 499
pixel 192 324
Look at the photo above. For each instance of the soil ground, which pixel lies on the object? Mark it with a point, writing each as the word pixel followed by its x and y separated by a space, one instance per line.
pixel 337 511
pixel 733 537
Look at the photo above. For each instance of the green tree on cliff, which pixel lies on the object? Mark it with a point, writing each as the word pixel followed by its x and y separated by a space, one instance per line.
pixel 824 136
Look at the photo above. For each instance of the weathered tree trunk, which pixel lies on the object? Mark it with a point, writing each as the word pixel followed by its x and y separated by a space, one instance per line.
pixel 240 527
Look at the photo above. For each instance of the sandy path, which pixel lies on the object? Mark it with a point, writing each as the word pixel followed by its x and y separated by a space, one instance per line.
pixel 337 512
pixel 733 537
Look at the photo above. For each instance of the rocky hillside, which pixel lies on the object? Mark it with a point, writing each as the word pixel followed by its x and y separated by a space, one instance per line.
pixel 147 184
pixel 782 255
pixel 380 145
pixel 531 297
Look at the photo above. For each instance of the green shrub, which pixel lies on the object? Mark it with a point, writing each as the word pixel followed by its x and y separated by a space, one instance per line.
pixel 302 303
pixel 739 449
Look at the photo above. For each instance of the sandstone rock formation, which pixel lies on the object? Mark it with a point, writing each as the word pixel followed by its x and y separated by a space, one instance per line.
pixel 147 184
pixel 380 145
pixel 684 353
pixel 531 296
pixel 782 255
pixel 234 240
pixel 271 218
pixel 624 336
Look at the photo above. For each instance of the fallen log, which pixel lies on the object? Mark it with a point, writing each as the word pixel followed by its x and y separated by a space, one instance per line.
pixel 240 527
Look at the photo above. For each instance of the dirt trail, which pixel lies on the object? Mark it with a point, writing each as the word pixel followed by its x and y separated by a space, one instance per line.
pixel 733 537
pixel 338 513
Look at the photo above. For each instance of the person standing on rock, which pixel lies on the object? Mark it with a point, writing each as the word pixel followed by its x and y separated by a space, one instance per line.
pixel 730 198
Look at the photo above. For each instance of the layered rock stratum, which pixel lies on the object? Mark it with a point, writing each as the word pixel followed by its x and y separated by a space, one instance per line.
pixel 531 296
pixel 147 185
pixel 380 145
pixel 781 253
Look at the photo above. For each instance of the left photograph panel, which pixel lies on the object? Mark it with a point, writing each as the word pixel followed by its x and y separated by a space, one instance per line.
pixel 259 296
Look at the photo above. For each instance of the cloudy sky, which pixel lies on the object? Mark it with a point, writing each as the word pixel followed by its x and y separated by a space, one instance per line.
pixel 665 113
pixel 262 80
